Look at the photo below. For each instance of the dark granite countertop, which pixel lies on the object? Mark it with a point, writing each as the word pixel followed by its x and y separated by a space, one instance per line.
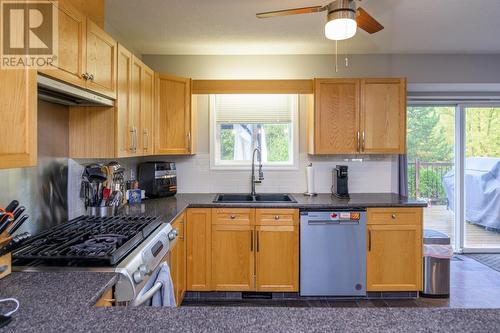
pixel 169 208
pixel 61 302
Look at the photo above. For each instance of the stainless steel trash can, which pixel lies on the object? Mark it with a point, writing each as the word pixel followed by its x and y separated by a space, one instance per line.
pixel 436 282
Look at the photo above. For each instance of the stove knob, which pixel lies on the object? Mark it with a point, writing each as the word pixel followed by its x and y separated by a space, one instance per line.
pixel 173 234
pixel 143 269
pixel 138 276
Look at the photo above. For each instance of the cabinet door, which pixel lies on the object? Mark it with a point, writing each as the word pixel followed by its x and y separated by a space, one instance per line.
pixel 178 261
pixel 147 110
pixel 124 133
pixel 72 46
pixel 277 258
pixel 198 249
pixel 18 112
pixel 135 110
pixel 173 121
pixel 233 257
pixel 336 116
pixel 394 258
pixel 383 116
pixel 101 61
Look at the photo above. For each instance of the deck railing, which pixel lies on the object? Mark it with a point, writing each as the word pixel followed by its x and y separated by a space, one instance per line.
pixel 425 180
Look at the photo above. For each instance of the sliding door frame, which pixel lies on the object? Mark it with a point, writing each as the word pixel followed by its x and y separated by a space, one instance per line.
pixel 459 160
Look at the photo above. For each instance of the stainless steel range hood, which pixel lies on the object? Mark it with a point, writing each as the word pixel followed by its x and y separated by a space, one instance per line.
pixel 54 91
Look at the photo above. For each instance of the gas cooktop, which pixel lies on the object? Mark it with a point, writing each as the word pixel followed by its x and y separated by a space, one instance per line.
pixel 86 241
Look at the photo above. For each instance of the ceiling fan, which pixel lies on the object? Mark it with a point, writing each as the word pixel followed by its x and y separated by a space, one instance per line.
pixel 342 20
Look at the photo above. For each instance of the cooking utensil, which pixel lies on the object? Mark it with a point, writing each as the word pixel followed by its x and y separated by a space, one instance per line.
pixel 15 243
pixel 18 212
pixel 12 206
pixel 13 228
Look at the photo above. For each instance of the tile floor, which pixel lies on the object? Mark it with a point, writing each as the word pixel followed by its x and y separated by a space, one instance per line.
pixel 473 285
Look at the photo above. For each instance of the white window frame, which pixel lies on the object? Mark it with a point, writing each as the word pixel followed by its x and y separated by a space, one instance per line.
pixel 215 163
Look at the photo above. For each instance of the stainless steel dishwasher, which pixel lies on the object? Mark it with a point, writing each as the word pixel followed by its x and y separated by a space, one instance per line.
pixel 333 253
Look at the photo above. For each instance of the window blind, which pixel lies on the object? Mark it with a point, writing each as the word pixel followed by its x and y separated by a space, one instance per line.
pixel 253 109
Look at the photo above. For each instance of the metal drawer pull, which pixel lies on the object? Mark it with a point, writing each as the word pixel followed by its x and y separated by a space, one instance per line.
pixel 369 240
pixel 277 217
pixel 251 240
pixel 258 243
pixel 147 295
pixel 232 217
pixel 393 216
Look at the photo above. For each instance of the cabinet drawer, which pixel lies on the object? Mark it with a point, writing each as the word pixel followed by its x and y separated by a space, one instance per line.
pixel 276 216
pixel 179 224
pixel 400 216
pixel 233 216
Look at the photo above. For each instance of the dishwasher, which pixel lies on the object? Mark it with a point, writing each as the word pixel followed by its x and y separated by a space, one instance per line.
pixel 333 253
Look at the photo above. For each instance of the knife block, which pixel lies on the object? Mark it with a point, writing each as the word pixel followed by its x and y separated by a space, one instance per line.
pixel 5 260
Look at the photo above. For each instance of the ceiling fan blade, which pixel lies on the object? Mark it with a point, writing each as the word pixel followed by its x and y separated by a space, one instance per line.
pixel 367 22
pixel 295 11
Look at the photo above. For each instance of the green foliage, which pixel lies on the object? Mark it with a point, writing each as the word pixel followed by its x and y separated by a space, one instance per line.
pixel 277 139
pixel 227 144
pixel 482 128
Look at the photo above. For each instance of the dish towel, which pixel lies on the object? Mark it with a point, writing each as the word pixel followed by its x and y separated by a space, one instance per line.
pixel 165 296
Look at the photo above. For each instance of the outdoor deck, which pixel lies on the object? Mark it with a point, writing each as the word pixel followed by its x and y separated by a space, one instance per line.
pixel 439 218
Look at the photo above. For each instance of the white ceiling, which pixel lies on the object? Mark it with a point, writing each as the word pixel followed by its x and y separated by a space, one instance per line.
pixel 230 27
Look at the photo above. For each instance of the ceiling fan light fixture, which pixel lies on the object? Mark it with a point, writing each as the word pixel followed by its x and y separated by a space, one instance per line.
pixel 341 20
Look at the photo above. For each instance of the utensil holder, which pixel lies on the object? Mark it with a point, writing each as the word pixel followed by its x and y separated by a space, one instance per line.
pixel 5 260
pixel 104 211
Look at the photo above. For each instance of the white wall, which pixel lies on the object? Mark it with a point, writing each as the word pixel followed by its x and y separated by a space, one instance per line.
pixel 418 68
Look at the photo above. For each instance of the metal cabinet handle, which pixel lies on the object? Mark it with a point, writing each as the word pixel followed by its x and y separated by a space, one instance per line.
pixel 146 139
pixel 258 241
pixel 359 142
pixel 189 141
pixel 232 217
pixel 131 139
pixel 91 77
pixel 85 76
pixel 393 216
pixel 136 142
pixel 251 240
pixel 363 145
pixel 277 217
pixel 369 240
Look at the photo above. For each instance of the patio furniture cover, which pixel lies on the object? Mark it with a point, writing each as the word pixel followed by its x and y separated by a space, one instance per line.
pixel 482 191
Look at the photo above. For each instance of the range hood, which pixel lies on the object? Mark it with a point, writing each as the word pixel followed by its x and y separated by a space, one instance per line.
pixel 54 91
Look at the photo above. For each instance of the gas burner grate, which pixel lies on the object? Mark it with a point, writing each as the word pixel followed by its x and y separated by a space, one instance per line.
pixel 85 240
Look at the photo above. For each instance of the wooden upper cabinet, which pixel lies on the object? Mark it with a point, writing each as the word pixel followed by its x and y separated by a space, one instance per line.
pixel 383 116
pixel 18 111
pixel 101 61
pixel 135 111
pixel 199 249
pixel 72 46
pixel 147 110
pixel 124 139
pixel 174 121
pixel 335 123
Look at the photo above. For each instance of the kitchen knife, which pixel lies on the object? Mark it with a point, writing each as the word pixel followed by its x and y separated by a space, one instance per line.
pixel 18 212
pixel 12 206
pixel 16 243
pixel 13 228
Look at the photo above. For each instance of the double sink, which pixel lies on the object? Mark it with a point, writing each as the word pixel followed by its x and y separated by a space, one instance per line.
pixel 260 198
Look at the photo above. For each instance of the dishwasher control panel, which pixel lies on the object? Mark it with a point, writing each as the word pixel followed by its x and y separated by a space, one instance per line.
pixel 334 216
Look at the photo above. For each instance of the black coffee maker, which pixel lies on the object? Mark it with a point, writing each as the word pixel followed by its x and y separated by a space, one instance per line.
pixel 340 188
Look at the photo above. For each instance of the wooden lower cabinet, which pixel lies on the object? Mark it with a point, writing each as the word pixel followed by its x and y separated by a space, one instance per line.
pixel 277 258
pixel 178 260
pixel 199 249
pixel 233 257
pixel 394 250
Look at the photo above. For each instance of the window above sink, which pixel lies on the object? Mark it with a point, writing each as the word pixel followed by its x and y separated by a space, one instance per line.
pixel 241 122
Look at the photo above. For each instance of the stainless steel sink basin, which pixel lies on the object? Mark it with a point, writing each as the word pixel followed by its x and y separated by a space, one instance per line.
pixel 259 198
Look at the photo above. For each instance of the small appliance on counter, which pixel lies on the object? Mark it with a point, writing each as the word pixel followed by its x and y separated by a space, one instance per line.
pixel 158 179
pixel 340 180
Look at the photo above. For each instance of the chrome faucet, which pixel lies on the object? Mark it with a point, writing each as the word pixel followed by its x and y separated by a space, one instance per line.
pixel 253 181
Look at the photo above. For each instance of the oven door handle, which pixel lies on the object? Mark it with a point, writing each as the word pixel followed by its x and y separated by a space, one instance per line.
pixel 147 295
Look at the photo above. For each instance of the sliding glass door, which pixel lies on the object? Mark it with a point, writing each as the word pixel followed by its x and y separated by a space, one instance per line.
pixel 454 165
pixel 481 178
pixel 431 160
